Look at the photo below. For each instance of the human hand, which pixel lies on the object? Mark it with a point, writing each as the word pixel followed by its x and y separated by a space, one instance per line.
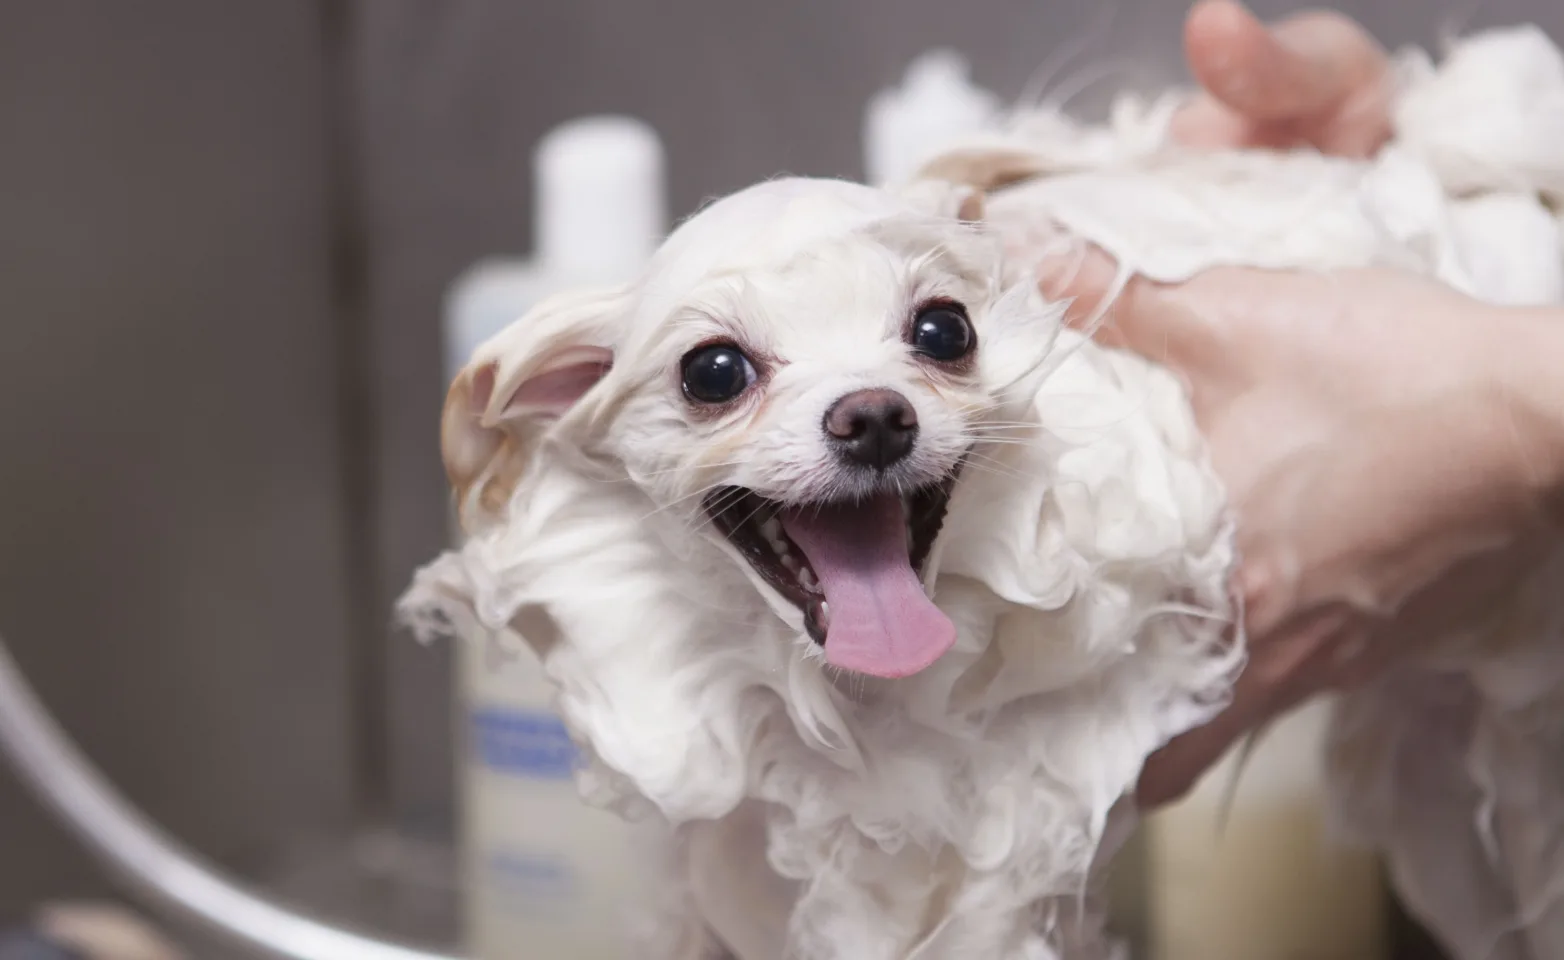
pixel 1316 79
pixel 1388 446
pixel 1344 556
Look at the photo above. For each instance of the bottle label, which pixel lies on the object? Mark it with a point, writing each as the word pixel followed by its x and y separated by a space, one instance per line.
pixel 529 880
pixel 524 743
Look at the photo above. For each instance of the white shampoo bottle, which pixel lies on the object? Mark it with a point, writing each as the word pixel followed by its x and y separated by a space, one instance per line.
pixel 935 105
pixel 547 876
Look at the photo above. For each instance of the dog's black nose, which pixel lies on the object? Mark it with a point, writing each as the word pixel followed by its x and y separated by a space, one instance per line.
pixel 873 427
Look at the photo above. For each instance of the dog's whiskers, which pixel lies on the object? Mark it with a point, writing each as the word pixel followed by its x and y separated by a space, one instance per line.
pixel 1004 425
pixel 993 468
pixel 1035 91
pixel 680 501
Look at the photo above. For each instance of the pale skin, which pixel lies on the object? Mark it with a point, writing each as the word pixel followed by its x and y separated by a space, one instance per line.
pixel 1393 450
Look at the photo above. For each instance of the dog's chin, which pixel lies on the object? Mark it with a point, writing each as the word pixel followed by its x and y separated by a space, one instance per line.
pixel 764 533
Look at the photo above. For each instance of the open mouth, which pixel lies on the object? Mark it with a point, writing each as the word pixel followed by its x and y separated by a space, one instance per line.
pixel 854 568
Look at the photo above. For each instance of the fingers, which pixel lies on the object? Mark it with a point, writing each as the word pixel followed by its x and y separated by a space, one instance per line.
pixel 1283 671
pixel 1086 276
pixel 1114 311
pixel 1205 124
pixel 1130 314
pixel 1304 67
pixel 1315 78
pixel 1170 772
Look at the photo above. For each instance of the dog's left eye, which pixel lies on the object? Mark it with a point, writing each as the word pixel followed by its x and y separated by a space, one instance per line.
pixel 716 373
pixel 941 331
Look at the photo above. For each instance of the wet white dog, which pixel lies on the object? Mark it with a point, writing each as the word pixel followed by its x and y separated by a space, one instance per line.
pixel 827 535
pixel 857 570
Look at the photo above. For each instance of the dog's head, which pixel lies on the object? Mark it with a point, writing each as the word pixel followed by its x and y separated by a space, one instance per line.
pixel 799 376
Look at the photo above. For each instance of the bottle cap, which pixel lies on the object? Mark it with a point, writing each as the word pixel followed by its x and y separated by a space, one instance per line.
pixel 935 105
pixel 600 207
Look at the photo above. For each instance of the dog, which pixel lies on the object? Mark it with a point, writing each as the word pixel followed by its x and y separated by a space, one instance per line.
pixel 856 570
pixel 827 527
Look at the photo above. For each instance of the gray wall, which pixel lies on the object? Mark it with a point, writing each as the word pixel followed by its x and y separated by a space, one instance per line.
pixel 225 230
pixel 172 562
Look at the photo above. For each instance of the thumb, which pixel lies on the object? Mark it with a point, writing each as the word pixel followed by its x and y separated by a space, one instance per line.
pixel 1086 277
pixel 1126 313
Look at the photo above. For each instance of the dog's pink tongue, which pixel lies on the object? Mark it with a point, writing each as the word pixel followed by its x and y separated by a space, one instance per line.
pixel 881 621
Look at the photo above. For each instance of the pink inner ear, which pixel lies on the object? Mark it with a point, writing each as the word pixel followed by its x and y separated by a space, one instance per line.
pixel 482 389
pixel 555 391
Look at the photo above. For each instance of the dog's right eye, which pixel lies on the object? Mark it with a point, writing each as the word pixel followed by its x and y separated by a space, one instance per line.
pixel 716 373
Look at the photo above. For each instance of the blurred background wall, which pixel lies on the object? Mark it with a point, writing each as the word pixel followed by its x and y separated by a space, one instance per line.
pixel 174 559
pixel 225 231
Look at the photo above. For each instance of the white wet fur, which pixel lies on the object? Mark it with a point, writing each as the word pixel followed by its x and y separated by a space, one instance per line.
pixel 964 812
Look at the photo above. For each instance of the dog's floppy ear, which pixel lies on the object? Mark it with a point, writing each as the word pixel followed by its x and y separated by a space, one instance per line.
pixel 515 385
pixel 984 169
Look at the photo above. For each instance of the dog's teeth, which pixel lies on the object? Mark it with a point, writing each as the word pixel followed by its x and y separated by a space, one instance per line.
pixel 825 614
pixel 791 562
pixel 806 577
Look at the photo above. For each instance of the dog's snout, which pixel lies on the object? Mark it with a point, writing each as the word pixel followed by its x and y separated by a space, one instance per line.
pixel 874 428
